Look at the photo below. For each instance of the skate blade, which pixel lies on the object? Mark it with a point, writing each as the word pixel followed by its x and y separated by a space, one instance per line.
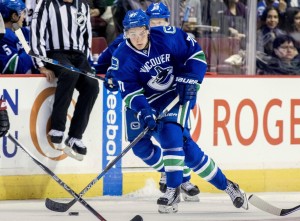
pixel 188 198
pixel 168 209
pixel 245 204
pixel 71 153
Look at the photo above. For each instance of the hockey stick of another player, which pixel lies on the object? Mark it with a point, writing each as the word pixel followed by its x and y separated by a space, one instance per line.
pixel 58 180
pixel 63 207
pixel 2 26
pixel 267 207
pixel 26 47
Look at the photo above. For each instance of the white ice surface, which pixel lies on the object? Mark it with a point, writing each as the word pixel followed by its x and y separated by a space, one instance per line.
pixel 212 207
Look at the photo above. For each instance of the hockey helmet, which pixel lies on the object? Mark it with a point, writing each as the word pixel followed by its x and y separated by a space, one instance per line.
pixel 158 10
pixel 135 18
pixel 7 6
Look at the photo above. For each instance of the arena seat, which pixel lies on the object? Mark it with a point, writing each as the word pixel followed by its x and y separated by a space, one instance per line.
pixel 217 49
pixel 98 45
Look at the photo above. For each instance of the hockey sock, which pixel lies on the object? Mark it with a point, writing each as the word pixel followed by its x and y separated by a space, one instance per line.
pixel 174 162
pixel 186 174
pixel 155 159
pixel 209 171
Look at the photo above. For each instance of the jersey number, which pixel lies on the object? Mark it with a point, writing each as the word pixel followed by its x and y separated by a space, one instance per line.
pixel 7 50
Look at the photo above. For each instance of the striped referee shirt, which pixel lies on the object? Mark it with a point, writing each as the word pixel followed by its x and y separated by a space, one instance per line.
pixel 60 26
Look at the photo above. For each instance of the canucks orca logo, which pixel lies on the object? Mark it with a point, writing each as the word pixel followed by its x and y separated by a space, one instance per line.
pixel 163 80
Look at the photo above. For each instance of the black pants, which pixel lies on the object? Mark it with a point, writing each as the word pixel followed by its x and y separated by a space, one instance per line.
pixel 88 89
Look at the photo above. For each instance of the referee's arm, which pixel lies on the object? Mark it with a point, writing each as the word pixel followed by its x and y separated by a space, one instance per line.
pixel 38 30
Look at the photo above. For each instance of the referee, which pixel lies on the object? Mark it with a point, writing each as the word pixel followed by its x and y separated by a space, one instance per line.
pixel 61 30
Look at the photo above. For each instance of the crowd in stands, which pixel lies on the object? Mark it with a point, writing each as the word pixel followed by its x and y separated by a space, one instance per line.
pixel 210 22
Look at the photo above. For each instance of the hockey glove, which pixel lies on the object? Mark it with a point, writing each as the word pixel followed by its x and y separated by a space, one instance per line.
pixel 187 90
pixel 146 118
pixel 4 121
pixel 110 82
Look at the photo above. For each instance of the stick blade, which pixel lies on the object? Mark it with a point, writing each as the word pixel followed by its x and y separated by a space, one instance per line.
pixel 56 206
pixel 137 218
pixel 264 206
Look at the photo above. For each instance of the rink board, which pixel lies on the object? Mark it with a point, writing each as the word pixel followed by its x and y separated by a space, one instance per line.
pixel 250 126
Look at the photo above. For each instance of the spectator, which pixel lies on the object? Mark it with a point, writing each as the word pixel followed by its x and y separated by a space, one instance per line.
pixel 269 30
pixel 284 59
pixel 234 19
pixel 13 58
pixel 292 24
pixel 97 8
pixel 281 5
pixel 110 31
pixel 263 4
pixel 190 16
pixel 52 36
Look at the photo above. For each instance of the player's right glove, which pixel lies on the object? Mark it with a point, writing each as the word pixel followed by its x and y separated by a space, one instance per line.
pixel 4 121
pixel 110 81
pixel 146 118
pixel 187 89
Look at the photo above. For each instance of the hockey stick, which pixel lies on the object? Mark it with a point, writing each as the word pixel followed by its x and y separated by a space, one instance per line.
pixel 2 26
pixel 56 178
pixel 63 207
pixel 267 207
pixel 26 47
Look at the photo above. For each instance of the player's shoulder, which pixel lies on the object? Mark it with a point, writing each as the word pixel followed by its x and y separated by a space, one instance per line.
pixel 167 34
pixel 9 36
pixel 121 52
pixel 165 30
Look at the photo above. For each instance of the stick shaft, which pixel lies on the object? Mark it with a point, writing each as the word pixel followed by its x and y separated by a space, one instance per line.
pixel 23 41
pixel 56 178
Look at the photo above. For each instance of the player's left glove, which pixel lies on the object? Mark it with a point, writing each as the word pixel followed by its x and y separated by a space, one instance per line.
pixel 110 81
pixel 4 121
pixel 187 89
pixel 146 118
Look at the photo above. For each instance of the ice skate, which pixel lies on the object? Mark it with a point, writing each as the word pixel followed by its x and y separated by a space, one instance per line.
pixel 237 195
pixel 189 192
pixel 168 203
pixel 56 138
pixel 163 182
pixel 75 148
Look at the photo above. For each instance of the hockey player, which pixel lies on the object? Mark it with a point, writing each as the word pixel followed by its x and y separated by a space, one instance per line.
pixel 149 152
pixel 152 67
pixel 13 58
